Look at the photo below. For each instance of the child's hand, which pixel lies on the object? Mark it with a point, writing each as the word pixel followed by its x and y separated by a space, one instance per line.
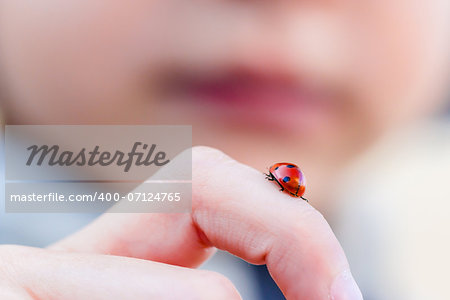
pixel 234 208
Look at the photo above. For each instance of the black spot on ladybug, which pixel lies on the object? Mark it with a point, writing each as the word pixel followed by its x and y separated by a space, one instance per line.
pixel 276 168
pixel 286 179
pixel 290 166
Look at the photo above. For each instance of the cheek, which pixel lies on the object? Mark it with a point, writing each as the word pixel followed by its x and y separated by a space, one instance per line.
pixel 73 61
pixel 403 58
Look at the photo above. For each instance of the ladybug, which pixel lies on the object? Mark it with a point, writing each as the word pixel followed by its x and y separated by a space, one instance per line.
pixel 289 177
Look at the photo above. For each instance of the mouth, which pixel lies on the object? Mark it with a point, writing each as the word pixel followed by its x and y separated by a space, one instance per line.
pixel 253 101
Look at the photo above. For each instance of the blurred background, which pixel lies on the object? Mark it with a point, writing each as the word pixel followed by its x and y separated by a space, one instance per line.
pixel 354 92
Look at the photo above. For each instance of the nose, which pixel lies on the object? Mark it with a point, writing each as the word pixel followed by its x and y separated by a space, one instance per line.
pixel 283 38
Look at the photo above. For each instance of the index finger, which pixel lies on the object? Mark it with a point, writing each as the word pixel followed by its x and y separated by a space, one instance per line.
pixel 235 209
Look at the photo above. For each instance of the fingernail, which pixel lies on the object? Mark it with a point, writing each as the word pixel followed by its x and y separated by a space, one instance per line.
pixel 344 287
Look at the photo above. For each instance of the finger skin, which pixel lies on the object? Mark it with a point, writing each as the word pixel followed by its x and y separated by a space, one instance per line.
pixel 237 210
pixel 168 238
pixel 44 274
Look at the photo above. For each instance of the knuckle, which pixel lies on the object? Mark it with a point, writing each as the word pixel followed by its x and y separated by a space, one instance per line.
pixel 207 163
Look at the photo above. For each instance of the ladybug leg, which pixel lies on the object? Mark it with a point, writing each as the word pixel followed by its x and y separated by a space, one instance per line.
pixel 305 199
pixel 282 188
pixel 296 193
pixel 269 177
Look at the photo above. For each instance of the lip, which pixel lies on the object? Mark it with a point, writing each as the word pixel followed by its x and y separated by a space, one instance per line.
pixel 262 102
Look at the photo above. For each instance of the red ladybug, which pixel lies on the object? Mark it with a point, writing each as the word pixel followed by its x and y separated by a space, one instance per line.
pixel 289 177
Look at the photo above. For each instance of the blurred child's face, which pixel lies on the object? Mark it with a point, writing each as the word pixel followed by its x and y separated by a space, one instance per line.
pixel 276 78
